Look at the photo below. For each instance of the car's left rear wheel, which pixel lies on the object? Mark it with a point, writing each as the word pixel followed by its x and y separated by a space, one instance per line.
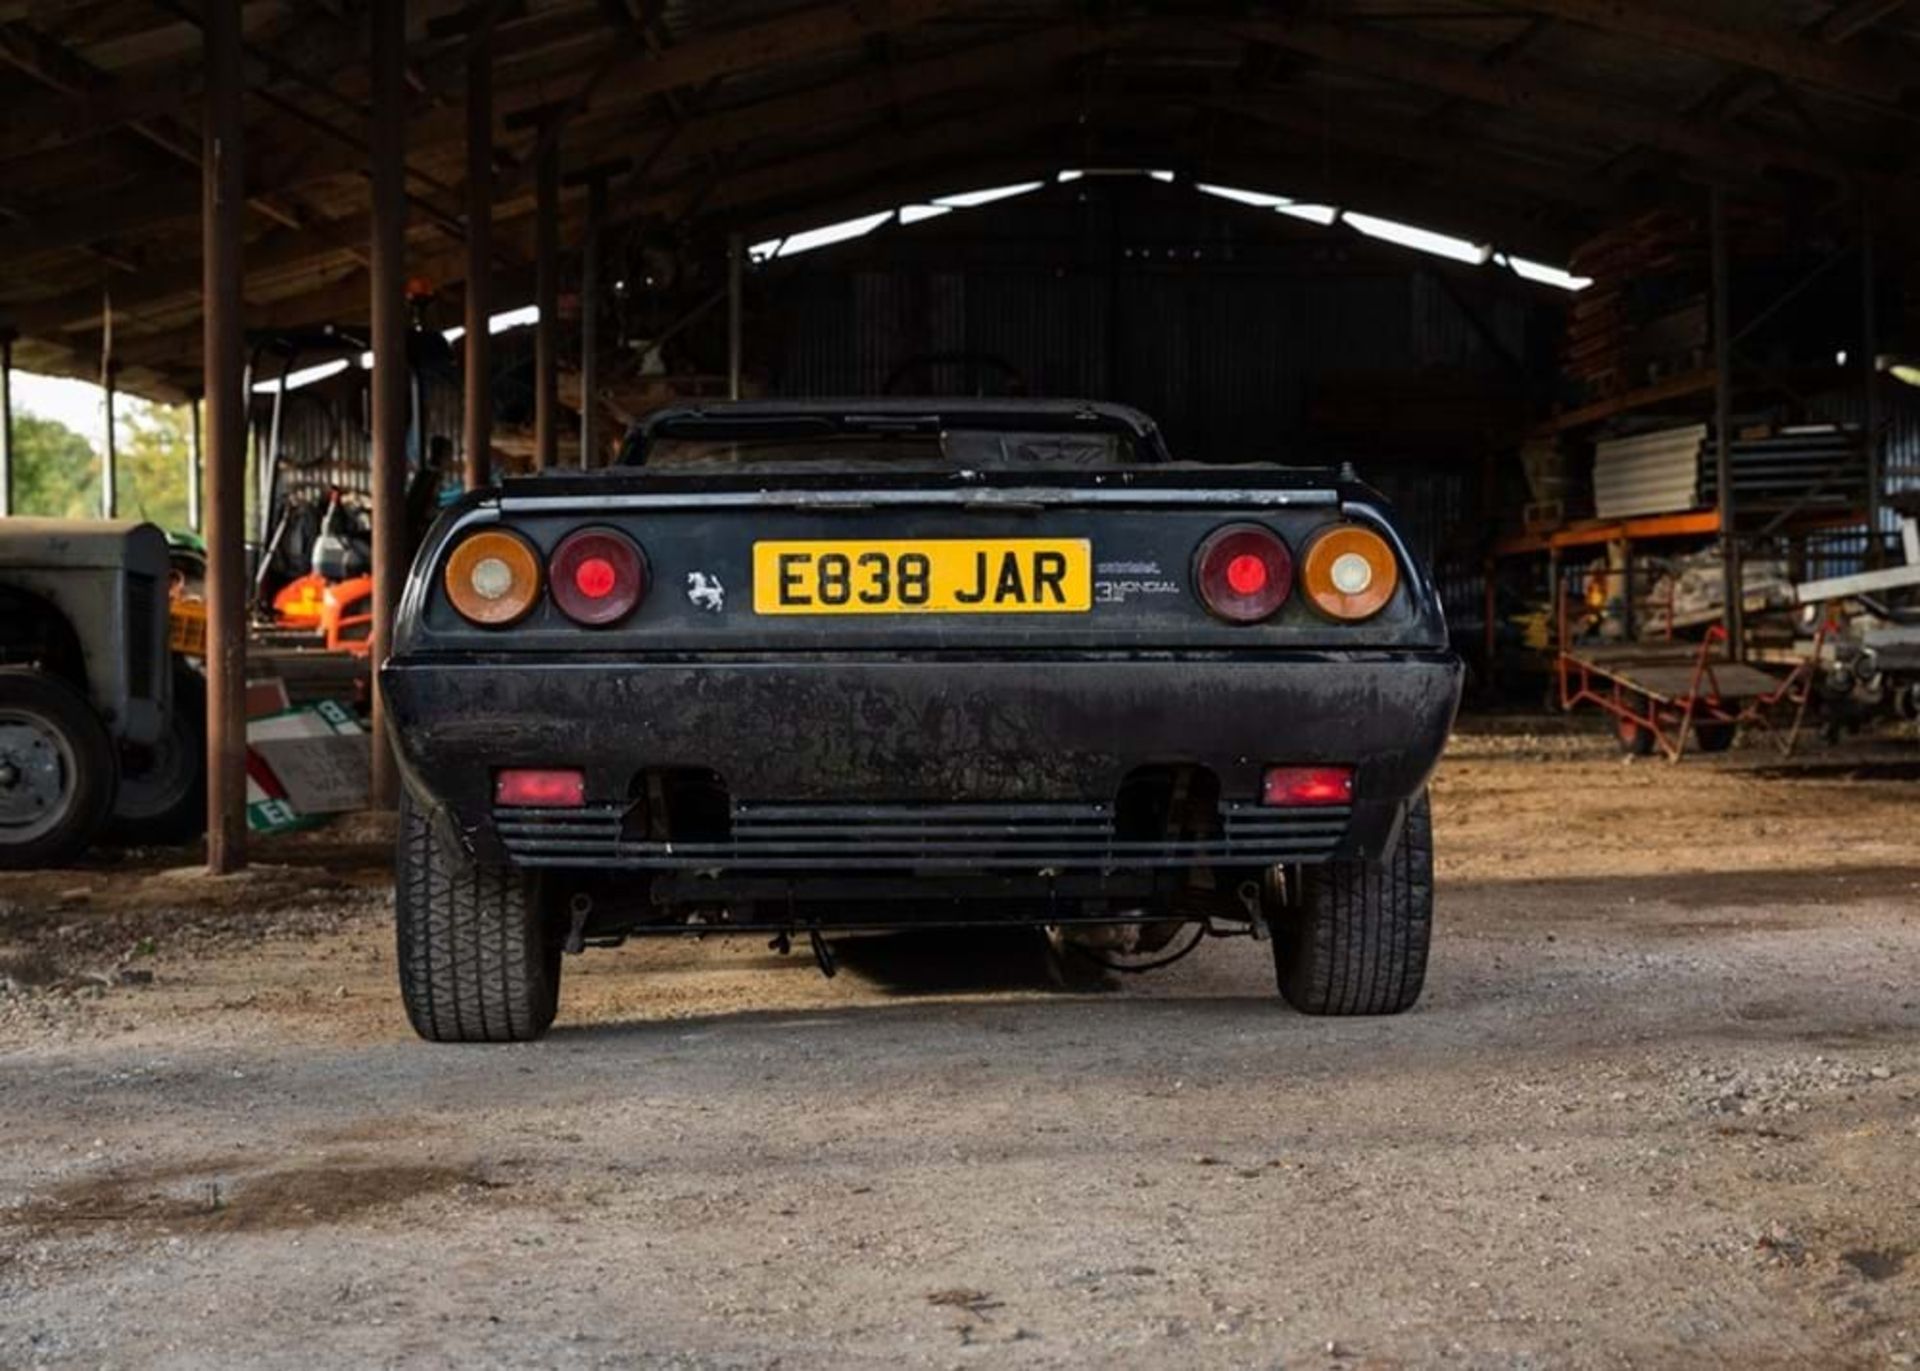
pixel 479 955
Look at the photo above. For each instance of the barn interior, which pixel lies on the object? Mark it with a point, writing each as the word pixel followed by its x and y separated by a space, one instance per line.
pixel 1613 301
pixel 1466 247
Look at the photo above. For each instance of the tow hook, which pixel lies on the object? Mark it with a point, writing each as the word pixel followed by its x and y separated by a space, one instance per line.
pixel 822 954
pixel 579 907
pixel 1256 917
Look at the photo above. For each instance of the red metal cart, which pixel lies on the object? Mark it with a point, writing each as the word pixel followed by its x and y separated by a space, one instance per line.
pixel 1662 694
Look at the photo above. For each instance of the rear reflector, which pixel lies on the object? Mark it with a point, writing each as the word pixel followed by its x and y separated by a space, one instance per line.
pixel 1307 785
pixel 533 788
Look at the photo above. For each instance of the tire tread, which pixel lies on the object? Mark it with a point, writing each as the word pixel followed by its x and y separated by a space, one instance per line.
pixel 478 961
pixel 1356 939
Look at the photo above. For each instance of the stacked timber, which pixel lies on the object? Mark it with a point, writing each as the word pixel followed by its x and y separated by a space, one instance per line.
pixel 1645 291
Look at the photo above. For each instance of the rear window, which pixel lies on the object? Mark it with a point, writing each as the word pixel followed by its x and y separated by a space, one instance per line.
pixel 950 450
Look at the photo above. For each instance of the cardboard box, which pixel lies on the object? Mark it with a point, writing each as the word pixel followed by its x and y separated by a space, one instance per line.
pixel 315 757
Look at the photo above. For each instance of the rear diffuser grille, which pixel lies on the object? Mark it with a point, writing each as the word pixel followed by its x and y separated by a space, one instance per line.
pixel 909 837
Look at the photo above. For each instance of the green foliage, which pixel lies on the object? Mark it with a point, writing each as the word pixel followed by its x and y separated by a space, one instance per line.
pixel 156 443
pixel 54 470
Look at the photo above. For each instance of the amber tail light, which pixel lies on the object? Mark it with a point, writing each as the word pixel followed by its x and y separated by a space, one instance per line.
pixel 1349 572
pixel 493 577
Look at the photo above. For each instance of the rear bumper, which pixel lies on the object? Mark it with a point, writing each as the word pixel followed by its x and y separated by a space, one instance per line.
pixel 889 763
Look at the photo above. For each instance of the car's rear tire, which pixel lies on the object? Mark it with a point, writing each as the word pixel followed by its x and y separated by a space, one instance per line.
pixel 1352 937
pixel 58 773
pixel 479 958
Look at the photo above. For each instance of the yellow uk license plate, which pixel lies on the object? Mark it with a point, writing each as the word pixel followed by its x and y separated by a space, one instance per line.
pixel 924 576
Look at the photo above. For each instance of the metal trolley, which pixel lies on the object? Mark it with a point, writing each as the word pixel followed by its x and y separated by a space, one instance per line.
pixel 1662 694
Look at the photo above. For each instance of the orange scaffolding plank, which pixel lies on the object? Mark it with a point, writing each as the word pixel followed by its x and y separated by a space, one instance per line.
pixel 1692 524
pixel 1673 388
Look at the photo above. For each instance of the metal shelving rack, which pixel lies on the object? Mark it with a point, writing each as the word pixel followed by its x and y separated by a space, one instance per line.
pixel 1683 395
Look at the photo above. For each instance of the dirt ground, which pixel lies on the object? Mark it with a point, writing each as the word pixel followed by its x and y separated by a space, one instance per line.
pixel 1660 1105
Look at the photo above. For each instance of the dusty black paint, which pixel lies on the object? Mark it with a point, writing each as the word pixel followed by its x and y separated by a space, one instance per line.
pixel 901 710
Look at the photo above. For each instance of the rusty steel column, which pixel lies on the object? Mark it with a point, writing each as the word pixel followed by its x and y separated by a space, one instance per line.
pixel 736 339
pixel 590 322
pixel 223 199
pixel 477 432
pixel 6 423
pixel 546 292
pixel 110 460
pixel 1870 398
pixel 1733 586
pixel 389 379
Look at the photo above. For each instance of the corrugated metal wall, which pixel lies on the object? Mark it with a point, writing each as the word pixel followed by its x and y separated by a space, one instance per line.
pixel 1843 551
pixel 1215 321
pixel 324 438
pixel 324 444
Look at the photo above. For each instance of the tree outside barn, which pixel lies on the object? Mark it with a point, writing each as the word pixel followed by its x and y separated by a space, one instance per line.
pixel 56 468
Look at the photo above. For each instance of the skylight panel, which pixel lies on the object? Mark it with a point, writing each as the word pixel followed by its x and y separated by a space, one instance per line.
pixel 913 214
pixel 970 199
pixel 1419 239
pixel 1547 275
pixel 1259 199
pixel 305 376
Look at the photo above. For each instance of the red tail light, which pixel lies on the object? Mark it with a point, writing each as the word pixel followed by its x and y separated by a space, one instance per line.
pixel 537 788
pixel 597 576
pixel 1307 785
pixel 1243 572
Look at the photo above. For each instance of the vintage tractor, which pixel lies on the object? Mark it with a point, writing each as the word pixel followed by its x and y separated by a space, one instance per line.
pixel 99 723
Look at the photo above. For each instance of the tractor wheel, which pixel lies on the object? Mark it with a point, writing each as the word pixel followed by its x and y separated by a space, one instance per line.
pixel 163 788
pixel 58 773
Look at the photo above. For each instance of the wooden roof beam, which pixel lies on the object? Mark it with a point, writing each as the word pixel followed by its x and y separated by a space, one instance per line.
pixel 699 58
pixel 1468 162
pixel 1852 17
pixel 289 158
pixel 37 122
pixel 864 92
pixel 704 137
pixel 1777 51
pixel 346 298
pixel 1526 89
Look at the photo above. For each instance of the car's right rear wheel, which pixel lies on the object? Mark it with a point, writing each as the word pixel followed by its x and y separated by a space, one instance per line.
pixel 1352 937
pixel 479 958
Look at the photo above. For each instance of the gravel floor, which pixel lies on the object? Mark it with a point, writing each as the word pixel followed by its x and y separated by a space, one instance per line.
pixel 1661 1105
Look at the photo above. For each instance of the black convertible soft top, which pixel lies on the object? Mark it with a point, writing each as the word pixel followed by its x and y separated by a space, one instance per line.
pixel 826 418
